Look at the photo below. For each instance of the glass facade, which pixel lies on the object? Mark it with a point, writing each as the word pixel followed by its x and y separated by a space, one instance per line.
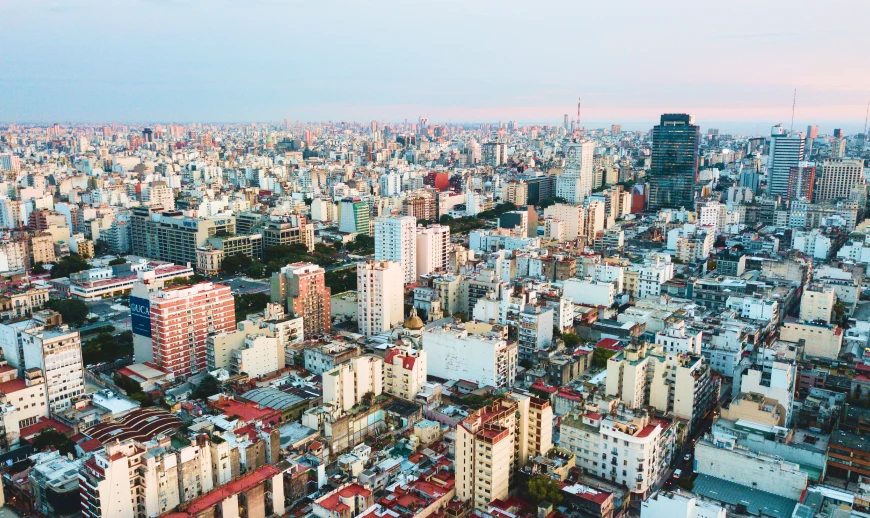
pixel 674 167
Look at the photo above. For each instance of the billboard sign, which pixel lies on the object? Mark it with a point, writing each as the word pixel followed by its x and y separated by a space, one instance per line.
pixel 140 316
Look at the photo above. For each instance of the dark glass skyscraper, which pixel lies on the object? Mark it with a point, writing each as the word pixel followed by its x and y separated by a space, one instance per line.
pixel 674 168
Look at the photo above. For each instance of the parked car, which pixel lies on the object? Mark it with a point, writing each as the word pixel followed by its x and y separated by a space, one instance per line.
pixel 687 457
pixel 677 473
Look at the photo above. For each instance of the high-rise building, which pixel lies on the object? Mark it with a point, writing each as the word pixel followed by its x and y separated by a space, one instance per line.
pixel 432 245
pixel 494 153
pixel 573 217
pixel 674 165
pixel 837 178
pixel 301 288
pixel 380 293
pixel 812 135
pixel 56 350
pixel 786 151
pixel 354 216
pixel 497 440
pixel 575 182
pixel 395 240
pixel 615 130
pixel 171 325
pixel 801 181
pixel 172 236
pixel 420 205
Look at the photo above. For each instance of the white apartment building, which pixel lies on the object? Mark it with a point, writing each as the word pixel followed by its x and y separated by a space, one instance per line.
pixel 655 271
pixel 589 292
pixel 345 385
pixel 676 339
pixel 754 308
pixel 259 355
pixel 573 218
pixel 404 372
pixel 575 182
pixel 611 273
pixel 432 245
pixel 380 296
pixel 626 447
pixel 817 303
pixel 22 402
pixel 395 240
pixel 475 352
pixel 837 178
pixel 818 246
pixel 773 379
pixel 647 376
pixel 57 352
pixel 534 330
pixel 596 218
pixel 495 441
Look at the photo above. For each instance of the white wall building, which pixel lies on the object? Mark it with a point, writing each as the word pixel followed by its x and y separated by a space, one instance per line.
pixel 455 352
pixel 395 240
pixel 573 218
pixel 432 245
pixel 589 292
pixel 58 353
pixel 380 296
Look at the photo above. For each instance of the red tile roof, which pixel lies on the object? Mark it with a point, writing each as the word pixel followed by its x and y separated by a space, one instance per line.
pixel 45 423
pixel 237 486
pixel 609 343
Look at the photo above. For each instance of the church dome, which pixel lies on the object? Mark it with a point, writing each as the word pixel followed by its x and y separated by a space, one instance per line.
pixel 413 322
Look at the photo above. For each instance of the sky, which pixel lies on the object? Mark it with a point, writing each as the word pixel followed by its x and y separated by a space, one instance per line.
pixel 734 64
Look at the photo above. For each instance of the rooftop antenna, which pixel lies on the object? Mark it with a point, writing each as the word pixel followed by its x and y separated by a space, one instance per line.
pixel 793 102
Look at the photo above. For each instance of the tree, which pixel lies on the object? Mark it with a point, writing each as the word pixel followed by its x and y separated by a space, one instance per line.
pixel 106 347
pixel 185 281
pixel 600 356
pixel 38 269
pixel 234 264
pixel 339 281
pixel 117 261
pixel 208 386
pixel 69 265
pixel 571 340
pixel 542 488
pixel 250 303
pixel 361 245
pixel 73 311
pixel 52 438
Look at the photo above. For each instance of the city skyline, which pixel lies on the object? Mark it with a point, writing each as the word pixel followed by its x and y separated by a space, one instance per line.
pixel 264 61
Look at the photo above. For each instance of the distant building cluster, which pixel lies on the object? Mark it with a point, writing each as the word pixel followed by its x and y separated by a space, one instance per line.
pixel 397 320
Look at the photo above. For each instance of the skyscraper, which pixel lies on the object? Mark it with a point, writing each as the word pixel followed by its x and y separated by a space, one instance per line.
pixel 786 151
pixel 812 135
pixel 674 166
pixel 801 180
pixel 432 246
pixel 395 240
pixel 302 287
pixel 179 320
pixel 575 182
pixel 379 296
pixel 838 178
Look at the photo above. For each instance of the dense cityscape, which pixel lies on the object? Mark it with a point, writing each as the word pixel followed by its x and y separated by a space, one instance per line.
pixel 420 319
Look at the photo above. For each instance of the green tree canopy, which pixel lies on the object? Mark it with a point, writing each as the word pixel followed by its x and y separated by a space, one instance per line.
pixel 208 386
pixel 250 303
pixel 117 261
pixel 73 311
pixel 69 265
pixel 235 264
pixel 571 340
pixel 542 488
pixel 600 357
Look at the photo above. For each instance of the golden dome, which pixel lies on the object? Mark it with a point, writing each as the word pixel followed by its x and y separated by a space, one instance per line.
pixel 413 322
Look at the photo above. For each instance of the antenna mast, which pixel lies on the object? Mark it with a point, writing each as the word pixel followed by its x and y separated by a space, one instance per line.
pixel 578 115
pixel 793 102
pixel 866 117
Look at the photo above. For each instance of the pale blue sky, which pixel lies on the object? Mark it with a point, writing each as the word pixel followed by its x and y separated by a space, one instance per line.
pixel 732 63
